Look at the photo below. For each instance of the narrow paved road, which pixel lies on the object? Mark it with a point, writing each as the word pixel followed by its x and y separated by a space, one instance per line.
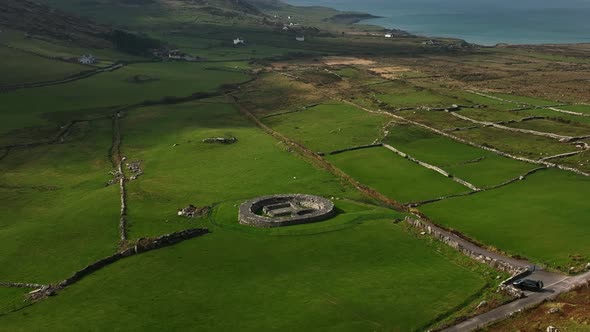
pixel 555 284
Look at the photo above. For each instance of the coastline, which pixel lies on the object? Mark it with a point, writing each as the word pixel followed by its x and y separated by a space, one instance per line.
pixel 474 28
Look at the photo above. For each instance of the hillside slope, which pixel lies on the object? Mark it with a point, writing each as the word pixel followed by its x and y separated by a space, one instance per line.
pixel 35 18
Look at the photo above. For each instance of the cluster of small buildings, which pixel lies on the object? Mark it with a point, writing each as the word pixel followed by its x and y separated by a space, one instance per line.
pixel 177 55
pixel 87 59
pixel 396 33
pixel 167 54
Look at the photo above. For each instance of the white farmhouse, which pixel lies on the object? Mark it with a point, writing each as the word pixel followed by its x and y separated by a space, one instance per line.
pixel 238 41
pixel 388 35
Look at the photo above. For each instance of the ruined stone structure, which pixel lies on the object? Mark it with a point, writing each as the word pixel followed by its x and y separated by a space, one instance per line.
pixel 285 210
pixel 221 140
pixel 192 211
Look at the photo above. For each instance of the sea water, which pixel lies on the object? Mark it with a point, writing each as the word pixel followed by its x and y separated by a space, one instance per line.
pixel 485 22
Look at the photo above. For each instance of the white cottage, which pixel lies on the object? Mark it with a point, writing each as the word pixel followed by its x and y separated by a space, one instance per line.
pixel 238 41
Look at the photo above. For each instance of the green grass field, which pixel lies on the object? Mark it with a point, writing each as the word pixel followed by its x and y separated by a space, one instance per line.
pixel 477 166
pixel 394 176
pixel 490 103
pixel 197 173
pixel 436 119
pixel 20 67
pixel 543 218
pixel 12 299
pixel 374 276
pixel 54 105
pixel 58 216
pixel 363 269
pixel 357 271
pixel 330 126
pixel 520 144
pixel 557 116
pixel 348 72
pixel 491 115
pixel 51 47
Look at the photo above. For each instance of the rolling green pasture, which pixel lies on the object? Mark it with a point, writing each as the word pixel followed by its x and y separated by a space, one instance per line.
pixel 12 299
pixel 214 41
pixel 394 176
pixel 557 116
pixel 543 218
pixel 479 167
pixel 374 276
pixel 48 105
pixel 226 52
pixel 491 115
pixel 475 99
pixel 54 48
pixel 330 126
pixel 490 171
pixel 57 214
pixel 19 67
pixel 436 119
pixel 348 72
pixel 107 12
pixel 357 271
pixel 197 173
pixel 520 144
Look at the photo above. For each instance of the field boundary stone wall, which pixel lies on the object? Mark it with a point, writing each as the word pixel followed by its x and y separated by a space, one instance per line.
pixel 140 246
pixel 464 141
pixel 469 249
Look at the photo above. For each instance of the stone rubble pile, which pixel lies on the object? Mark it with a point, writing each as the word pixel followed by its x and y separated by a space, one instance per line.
pixel 135 168
pixel 222 140
pixel 117 175
pixel 192 211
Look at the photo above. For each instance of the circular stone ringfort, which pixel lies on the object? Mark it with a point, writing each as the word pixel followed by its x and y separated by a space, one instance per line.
pixel 285 210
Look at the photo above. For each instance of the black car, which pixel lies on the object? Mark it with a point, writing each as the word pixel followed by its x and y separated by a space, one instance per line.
pixel 529 284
